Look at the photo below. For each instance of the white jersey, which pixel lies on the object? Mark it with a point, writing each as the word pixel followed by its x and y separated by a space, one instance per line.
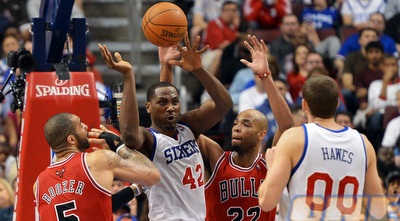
pixel 360 10
pixel 333 164
pixel 180 193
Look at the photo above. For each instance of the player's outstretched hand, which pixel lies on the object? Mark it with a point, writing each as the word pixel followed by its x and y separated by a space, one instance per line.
pixel 104 138
pixel 166 54
pixel 190 56
pixel 118 64
pixel 258 50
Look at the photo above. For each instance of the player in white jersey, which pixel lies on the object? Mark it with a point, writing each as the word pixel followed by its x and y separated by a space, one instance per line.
pixel 171 145
pixel 326 167
pixel 170 156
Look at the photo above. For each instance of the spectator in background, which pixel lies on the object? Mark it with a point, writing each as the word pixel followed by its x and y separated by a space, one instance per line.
pixel 266 14
pixel 8 118
pixel 351 44
pixel 313 60
pixel 10 43
pixel 12 127
pixel 382 93
pixel 321 15
pixel 297 78
pixel 373 71
pixel 299 38
pixel 356 13
pixel 14 11
pixel 376 21
pixel 6 200
pixel 221 32
pixel 239 84
pixel 283 46
pixel 231 55
pixel 354 63
pixel 8 163
pixel 392 9
pixel 385 161
pixel 204 11
pixel 393 194
pixel 33 7
pixel 393 30
pixel 392 131
pixel 344 118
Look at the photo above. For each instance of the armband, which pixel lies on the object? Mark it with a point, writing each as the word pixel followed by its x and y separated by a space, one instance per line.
pixel 110 138
pixel 137 190
pixel 122 197
pixel 264 75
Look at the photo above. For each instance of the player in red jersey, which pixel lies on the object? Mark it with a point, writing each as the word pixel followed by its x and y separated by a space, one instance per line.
pixel 77 185
pixel 233 177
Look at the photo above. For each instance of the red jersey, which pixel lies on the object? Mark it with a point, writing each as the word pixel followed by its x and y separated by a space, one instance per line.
pixel 218 32
pixel 267 15
pixel 296 82
pixel 66 190
pixel 232 191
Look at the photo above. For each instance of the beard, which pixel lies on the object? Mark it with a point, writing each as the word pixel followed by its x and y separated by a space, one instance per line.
pixel 235 148
pixel 83 144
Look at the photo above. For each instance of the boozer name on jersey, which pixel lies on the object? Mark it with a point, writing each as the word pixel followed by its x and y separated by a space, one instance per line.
pixel 64 189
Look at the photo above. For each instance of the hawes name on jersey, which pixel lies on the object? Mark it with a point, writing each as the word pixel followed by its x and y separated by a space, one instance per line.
pixel 67 186
pixel 184 150
pixel 339 154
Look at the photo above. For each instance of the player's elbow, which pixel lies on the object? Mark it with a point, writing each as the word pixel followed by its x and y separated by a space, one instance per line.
pixel 378 209
pixel 154 178
pixel 132 140
pixel 226 105
pixel 265 204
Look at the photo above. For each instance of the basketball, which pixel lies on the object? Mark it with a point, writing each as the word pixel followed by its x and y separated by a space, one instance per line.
pixel 164 24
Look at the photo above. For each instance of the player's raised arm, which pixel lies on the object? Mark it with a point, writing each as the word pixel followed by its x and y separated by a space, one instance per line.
pixel 131 133
pixel 260 67
pixel 165 54
pixel 212 111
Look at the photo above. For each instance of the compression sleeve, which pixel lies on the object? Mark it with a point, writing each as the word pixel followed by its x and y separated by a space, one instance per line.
pixel 121 198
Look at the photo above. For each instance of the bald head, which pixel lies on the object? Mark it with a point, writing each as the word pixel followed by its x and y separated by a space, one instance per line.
pixel 259 119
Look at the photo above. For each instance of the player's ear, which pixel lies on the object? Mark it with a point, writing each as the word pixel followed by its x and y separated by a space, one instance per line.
pixel 304 106
pixel 262 134
pixel 71 139
pixel 148 107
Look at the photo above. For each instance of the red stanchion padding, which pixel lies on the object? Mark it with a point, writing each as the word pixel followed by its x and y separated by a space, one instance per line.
pixel 46 95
